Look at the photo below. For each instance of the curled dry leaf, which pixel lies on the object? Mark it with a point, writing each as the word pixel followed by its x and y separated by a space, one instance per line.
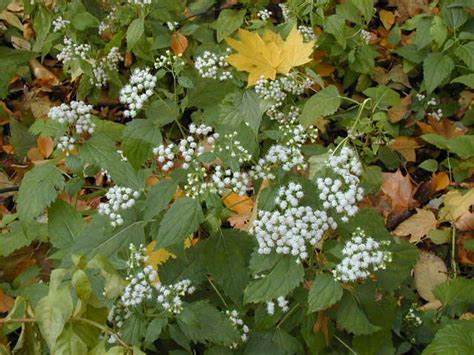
pixel 43 75
pixel 445 128
pixel 45 146
pixel 400 190
pixel 417 226
pixel 179 43
pixel 387 18
pixel 456 205
pixel 406 146
pixel 6 302
pixel 430 271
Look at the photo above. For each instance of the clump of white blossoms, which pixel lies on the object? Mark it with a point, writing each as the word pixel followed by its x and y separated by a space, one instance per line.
pixel 282 303
pixel 413 316
pixel 108 63
pixel 308 33
pixel 170 297
pixel 239 325
pixel 72 51
pixel 59 23
pixel 140 2
pixel 138 90
pixel 264 14
pixel 285 12
pixel 170 62
pixel 341 191
pixel 119 199
pixel 276 91
pixel 229 147
pixel 213 66
pixel 366 36
pixel 227 179
pixel 172 25
pixel 77 116
pixel 107 22
pixel 291 227
pixel 362 256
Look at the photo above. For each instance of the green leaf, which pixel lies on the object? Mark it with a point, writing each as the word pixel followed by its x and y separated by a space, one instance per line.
pixel 335 25
pixel 139 139
pixel 466 53
pixel 438 31
pixel 456 291
pixel 284 277
pixel 182 219
pixel 463 146
pixel 84 20
pixel 21 139
pixel 17 238
pixel 52 312
pixel 135 32
pixel 226 260
pixel 100 150
pixel 162 112
pixel 324 103
pixel 429 165
pixel 69 343
pixel 436 68
pixel 159 197
pixel 39 188
pixel 202 322
pixel 383 96
pixel 352 318
pixel 324 292
pixel 455 338
pixel 467 80
pixel 228 22
pixel 154 330
pixel 64 224
pixel 82 285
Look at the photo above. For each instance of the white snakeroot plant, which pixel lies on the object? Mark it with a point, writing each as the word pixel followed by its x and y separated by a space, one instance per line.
pixel 213 66
pixel 138 90
pixel 341 191
pixel 72 51
pixel 119 199
pixel 290 228
pixel 59 23
pixel 282 303
pixel 110 62
pixel 140 2
pixel 308 33
pixel 227 179
pixel 264 14
pixel 362 256
pixel 240 326
pixel 170 296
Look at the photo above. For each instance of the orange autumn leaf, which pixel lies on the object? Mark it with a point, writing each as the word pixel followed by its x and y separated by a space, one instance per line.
pixel 400 190
pixel 238 204
pixel 6 302
pixel 45 146
pixel 445 128
pixel 179 43
pixel 406 146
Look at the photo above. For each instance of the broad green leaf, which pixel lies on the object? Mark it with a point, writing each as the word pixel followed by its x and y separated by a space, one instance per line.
pixel 69 343
pixel 134 329
pixel 466 53
pixel 52 312
pixel 467 80
pixel 226 259
pixel 202 322
pixel 162 112
pixel 139 139
pixel 84 20
pixel 159 197
pixel 39 188
pixel 284 277
pixel 21 139
pixel 383 96
pixel 135 32
pixel 438 31
pixel 436 68
pixel 64 224
pixel 154 330
pixel 81 284
pixel 324 292
pixel 335 25
pixel 462 146
pixel 17 238
pixel 352 318
pixel 228 22
pixel 455 338
pixel 287 342
pixel 456 291
pixel 324 103
pixel 181 220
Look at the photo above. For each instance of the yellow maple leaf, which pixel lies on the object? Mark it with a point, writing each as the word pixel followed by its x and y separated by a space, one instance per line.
pixel 268 55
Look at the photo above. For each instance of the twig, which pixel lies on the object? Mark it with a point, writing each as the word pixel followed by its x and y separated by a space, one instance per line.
pixel 9 189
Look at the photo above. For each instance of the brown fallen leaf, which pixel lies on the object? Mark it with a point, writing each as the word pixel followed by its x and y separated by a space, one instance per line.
pixel 465 255
pixel 397 113
pixel 45 146
pixel 466 222
pixel 445 128
pixel 417 226
pixel 406 146
pixel 400 190
pixel 44 77
pixel 6 302
pixel 430 271
pixel 408 8
pixel 387 18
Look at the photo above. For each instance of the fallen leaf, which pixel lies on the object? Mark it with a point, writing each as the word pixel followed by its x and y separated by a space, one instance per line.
pixel 440 181
pixel 406 146
pixel 179 43
pixel 408 8
pixel 45 146
pixel 387 18
pixel 465 255
pixel 430 271
pixel 400 190
pixel 238 204
pixel 6 302
pixel 157 257
pixel 456 204
pixel 43 76
pixel 445 128
pixel 294 51
pixel 466 222
pixel 417 225
pixel 399 112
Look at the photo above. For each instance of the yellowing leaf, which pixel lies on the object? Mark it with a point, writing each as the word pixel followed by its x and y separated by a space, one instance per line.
pixel 268 55
pixel 157 257
pixel 254 56
pixel 238 204
pixel 294 52
pixel 387 18
pixel 456 204
pixel 430 271
pixel 406 147
pixel 417 225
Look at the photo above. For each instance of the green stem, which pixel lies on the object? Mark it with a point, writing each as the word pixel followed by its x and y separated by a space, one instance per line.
pixel 345 345
pixel 104 329
pixel 217 291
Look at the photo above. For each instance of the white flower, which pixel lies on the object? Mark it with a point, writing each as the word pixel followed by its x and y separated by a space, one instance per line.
pixel 59 24
pixel 137 91
pixel 308 33
pixel 119 199
pixel 239 325
pixel 264 14
pixel 72 51
pixel 213 66
pixel 170 297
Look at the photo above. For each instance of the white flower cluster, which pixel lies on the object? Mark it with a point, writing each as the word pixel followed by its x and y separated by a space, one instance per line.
pixel 288 231
pixel 308 33
pixel 281 117
pixel 140 287
pixel 285 12
pixel 362 256
pixel 276 91
pixel 264 14
pixel 73 51
pixel 169 61
pixel 239 325
pixel 105 24
pixel 165 156
pixel 230 180
pixel 278 157
pixel 213 66
pixel 412 316
pixel 140 2
pixel 137 91
pixel 77 116
pixel 342 193
pixel 230 147
pixel 119 199
pixel 437 115
pixel 99 70
pixel 282 303
pixel 59 23
pixel 172 25
pixel 366 36
pixel 169 297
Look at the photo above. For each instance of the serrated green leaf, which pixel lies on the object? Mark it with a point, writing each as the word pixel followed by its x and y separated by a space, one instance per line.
pixel 284 277
pixel 228 22
pixel 159 197
pixel 38 190
pixel 324 103
pixel 352 318
pixel 324 292
pixel 181 220
pixel 64 224
pixel 466 54
pixel 139 139
pixel 456 291
pixel 135 32
pixel 436 68
pixel 455 338
pixel 467 80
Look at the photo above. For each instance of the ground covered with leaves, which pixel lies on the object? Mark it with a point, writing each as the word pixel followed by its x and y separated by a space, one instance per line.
pixel 236 176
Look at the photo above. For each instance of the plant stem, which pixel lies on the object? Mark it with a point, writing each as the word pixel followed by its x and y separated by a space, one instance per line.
pixel 217 291
pixel 345 345
pixel 104 329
